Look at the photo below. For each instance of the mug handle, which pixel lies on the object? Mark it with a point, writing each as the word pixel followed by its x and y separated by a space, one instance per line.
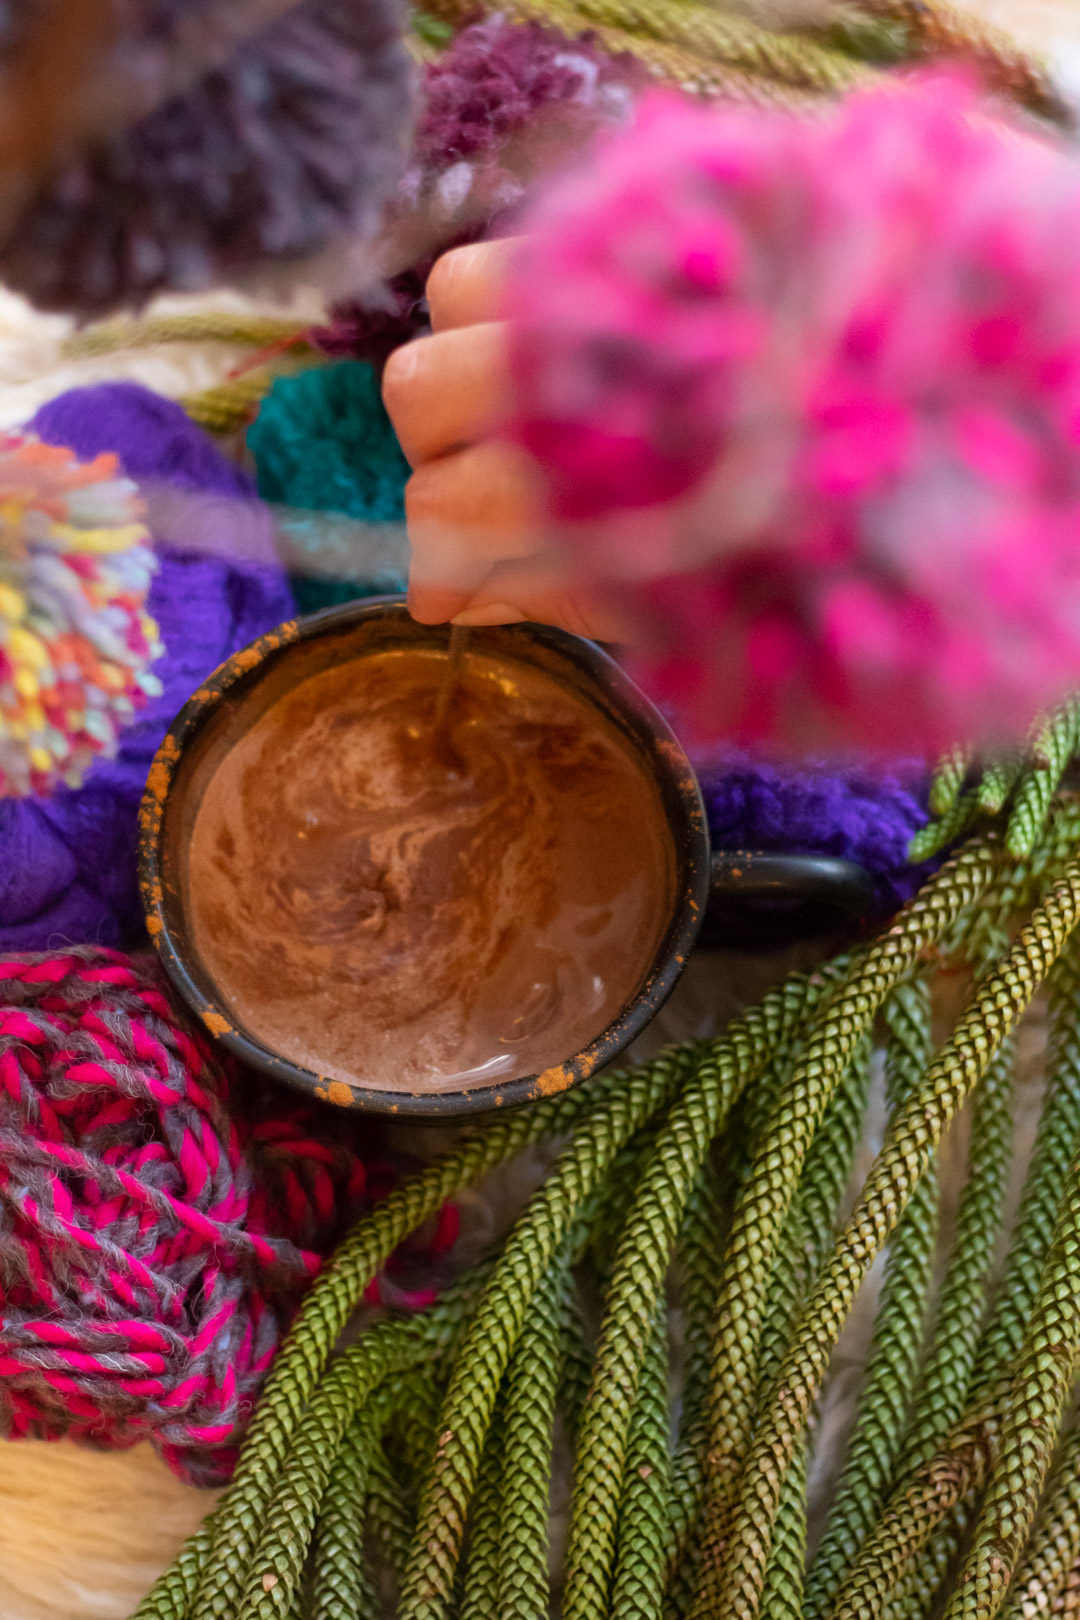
pixel 820 881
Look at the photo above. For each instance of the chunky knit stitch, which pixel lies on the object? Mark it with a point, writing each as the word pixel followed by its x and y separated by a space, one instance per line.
pixel 159 1218
pixel 322 442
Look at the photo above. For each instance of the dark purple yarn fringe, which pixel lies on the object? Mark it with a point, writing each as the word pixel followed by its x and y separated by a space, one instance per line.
pixel 496 82
pixel 298 137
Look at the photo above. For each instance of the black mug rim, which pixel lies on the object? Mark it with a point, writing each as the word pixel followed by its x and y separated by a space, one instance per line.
pixel 686 816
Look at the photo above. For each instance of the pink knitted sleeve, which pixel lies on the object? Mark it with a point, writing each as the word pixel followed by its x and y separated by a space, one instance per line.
pixel 806 391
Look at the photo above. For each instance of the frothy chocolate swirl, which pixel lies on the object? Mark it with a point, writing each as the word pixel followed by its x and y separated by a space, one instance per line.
pixel 403 904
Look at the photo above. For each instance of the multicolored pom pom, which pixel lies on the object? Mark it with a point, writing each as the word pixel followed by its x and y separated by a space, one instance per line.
pixel 75 638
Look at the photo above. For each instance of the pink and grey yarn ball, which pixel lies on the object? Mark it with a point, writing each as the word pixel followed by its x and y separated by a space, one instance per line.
pixel 252 149
pixel 807 390
pixel 160 1216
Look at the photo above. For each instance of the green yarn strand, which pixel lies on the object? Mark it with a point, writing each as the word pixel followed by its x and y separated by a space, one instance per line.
pixel 895 1350
pixel 643 1527
pixel 1053 1552
pixel 965 1286
pixel 1053 746
pixel 480 1587
pixel 950 774
pixel 496 1327
pixel 769 1190
pixel 915 1133
pixel 1032 1415
pixel 532 1386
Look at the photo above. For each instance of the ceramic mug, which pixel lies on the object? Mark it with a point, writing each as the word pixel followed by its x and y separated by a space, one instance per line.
pixel 255 677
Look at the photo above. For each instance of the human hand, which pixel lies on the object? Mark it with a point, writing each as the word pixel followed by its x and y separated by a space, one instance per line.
pixel 475 502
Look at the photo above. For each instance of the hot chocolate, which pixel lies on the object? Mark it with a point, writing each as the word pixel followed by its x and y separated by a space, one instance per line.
pixel 420 905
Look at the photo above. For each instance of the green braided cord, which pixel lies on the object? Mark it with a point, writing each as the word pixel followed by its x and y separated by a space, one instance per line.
pixel 1032 1416
pixel 281 1547
pixel 480 1589
pixel 950 774
pixel 575 1371
pixel 997 1005
pixel 342 1585
pixel 782 1590
pixel 700 1249
pixel 935 1505
pixel 664 1188
pixel 984 934
pixel 170 1596
pixel 1053 746
pixel 962 1298
pixel 340 1287
pixel 410 1437
pixel 1069 1602
pixel 917 1510
pixel 641 1263
pixel 808 1236
pixel 389 1348
pixel 799 63
pixel 277 1561
pixel 933 29
pixel 684 41
pixel 998 781
pixel 640 1568
pixel 1025 783
pixel 828 1051
pixel 939 835
pixel 1054 1549
pixel 917 1592
pixel 608 1215
pixel 532 1385
pixel 893 1360
pixel 210 326
pixel 1056 1144
pixel 496 1326
pixel 387 1519
pixel 831 1159
pixel 809 1230
pixel 701 1245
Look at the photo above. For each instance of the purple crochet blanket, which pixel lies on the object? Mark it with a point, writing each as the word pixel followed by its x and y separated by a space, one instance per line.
pixel 69 876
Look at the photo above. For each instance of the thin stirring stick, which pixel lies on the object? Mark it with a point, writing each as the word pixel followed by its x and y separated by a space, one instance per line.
pixel 459 636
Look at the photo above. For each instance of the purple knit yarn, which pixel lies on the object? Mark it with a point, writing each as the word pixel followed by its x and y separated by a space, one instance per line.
pixel 68 874
pixel 859 815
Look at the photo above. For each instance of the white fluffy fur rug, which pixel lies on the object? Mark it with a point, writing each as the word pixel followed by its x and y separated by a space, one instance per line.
pixel 84 1534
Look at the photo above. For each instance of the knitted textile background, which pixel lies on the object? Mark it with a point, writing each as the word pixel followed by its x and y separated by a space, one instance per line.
pixel 69 870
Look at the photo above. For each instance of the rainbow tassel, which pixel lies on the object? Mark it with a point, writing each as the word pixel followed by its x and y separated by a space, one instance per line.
pixel 75 638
